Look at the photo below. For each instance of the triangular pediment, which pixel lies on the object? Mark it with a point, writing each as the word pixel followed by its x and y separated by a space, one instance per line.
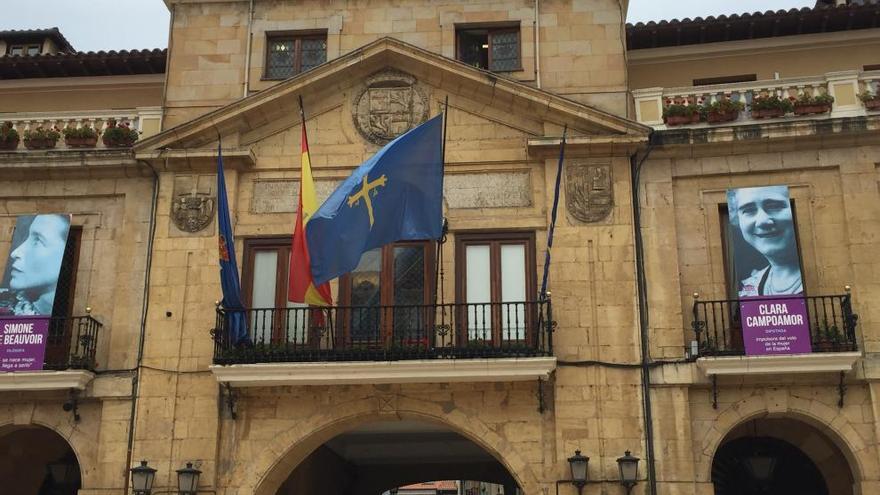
pixel 380 67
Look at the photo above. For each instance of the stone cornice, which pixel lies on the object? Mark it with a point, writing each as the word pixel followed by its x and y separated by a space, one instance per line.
pixel 418 371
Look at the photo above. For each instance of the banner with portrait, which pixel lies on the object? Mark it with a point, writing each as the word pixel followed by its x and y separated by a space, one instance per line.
pixel 27 290
pixel 767 269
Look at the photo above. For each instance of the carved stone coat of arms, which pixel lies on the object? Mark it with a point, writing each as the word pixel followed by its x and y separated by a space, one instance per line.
pixel 192 212
pixel 390 104
pixel 589 191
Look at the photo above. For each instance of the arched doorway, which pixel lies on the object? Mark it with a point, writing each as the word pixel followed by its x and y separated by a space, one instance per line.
pixel 780 456
pixel 384 456
pixel 38 461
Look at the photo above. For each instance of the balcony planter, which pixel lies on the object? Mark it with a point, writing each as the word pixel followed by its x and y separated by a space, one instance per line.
pixel 770 107
pixel 721 117
pixel 721 111
pixel 9 144
pixel 119 135
pixel 811 109
pixel 80 137
pixel 871 100
pixel 8 137
pixel 676 114
pixel 39 144
pixel 676 120
pixel 81 142
pixel 813 104
pixel 41 138
pixel 770 113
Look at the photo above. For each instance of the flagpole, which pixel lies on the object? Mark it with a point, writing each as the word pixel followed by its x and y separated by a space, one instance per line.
pixel 543 294
pixel 438 255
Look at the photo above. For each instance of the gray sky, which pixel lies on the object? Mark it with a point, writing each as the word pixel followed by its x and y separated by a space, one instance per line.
pixel 126 24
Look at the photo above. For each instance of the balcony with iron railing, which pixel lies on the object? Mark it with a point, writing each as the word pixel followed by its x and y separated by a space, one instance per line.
pixel 385 344
pixel 719 346
pixel 69 359
pixel 854 94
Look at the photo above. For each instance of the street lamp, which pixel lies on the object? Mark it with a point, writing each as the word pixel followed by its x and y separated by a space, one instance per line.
pixel 761 467
pixel 188 480
pixel 629 470
pixel 578 465
pixel 142 479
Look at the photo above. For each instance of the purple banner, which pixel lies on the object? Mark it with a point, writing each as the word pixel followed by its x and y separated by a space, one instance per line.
pixel 775 326
pixel 23 343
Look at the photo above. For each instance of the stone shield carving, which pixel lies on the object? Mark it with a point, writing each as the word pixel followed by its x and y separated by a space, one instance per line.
pixel 390 104
pixel 589 191
pixel 192 212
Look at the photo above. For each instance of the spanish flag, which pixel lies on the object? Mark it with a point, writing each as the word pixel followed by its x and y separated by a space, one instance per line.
pixel 301 289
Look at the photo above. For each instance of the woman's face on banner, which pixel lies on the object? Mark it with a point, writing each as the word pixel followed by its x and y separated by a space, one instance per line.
pixel 37 261
pixel 765 219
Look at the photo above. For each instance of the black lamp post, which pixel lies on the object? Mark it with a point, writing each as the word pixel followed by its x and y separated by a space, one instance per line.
pixel 142 479
pixel 188 480
pixel 578 465
pixel 629 470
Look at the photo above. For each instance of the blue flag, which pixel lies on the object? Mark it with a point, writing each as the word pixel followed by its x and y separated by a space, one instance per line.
pixel 229 282
pixel 396 195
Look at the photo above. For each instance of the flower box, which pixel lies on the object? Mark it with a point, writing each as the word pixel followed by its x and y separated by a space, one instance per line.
pixel 675 120
pixel 811 109
pixel 721 117
pixel 81 142
pixel 9 145
pixel 872 104
pixel 118 135
pixel 769 113
pixel 39 143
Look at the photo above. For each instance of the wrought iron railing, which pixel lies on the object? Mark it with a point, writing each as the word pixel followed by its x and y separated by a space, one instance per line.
pixel 380 333
pixel 718 329
pixel 71 343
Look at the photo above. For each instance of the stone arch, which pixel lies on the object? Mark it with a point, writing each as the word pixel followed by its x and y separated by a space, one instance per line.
pixel 81 442
pixel 828 421
pixel 263 473
pixel 42 429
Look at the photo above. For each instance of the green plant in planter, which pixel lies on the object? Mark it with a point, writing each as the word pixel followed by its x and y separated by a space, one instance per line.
pixel 870 99
pixel 724 110
pixel 80 137
pixel 677 113
pixel 812 103
pixel 41 137
pixel 770 106
pixel 8 136
pixel 119 135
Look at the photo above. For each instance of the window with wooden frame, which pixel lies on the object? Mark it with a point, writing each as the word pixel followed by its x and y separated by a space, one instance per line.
pixel 495 280
pixel 385 298
pixel 273 319
pixel 288 54
pixel 494 48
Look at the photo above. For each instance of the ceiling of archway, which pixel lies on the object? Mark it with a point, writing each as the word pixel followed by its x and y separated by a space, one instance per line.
pixel 406 442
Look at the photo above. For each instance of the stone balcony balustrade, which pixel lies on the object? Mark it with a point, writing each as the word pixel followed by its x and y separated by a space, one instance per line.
pixel 146 120
pixel 845 87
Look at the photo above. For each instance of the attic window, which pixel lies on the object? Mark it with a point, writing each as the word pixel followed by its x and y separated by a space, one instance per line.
pixel 490 48
pixel 290 54
pixel 29 50
pixel 872 67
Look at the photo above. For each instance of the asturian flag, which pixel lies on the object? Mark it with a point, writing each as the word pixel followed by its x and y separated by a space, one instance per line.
pixel 395 195
pixel 229 280
pixel 301 288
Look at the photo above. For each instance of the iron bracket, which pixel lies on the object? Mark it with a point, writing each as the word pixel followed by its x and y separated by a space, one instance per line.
pixel 231 401
pixel 715 392
pixel 841 390
pixel 72 405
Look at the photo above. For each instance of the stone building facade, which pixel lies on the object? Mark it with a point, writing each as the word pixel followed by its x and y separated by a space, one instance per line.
pixel 486 381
